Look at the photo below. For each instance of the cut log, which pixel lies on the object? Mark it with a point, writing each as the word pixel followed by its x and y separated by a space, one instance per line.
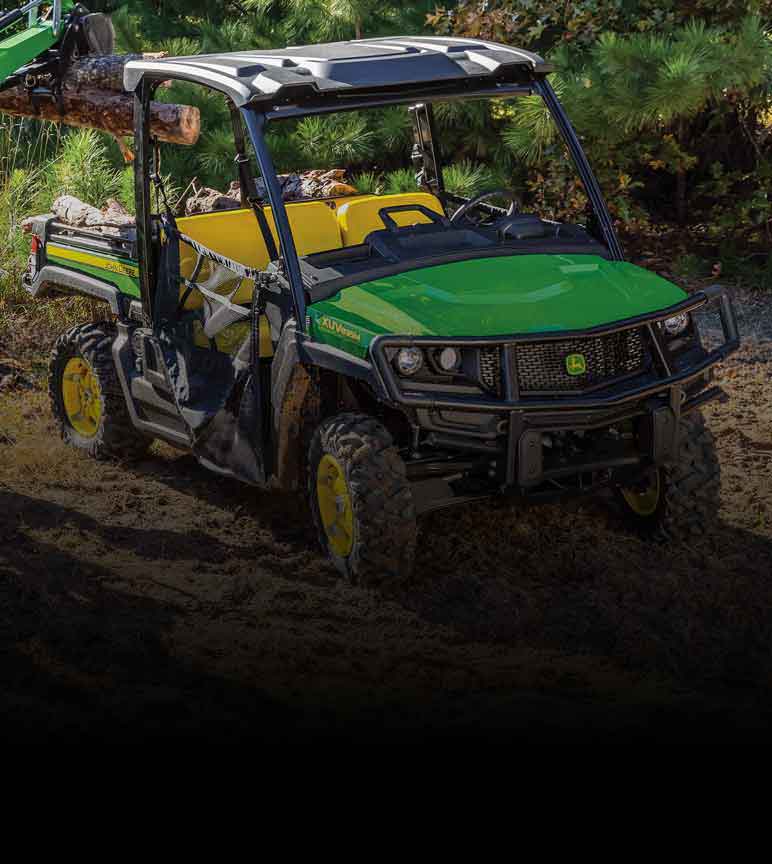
pixel 101 72
pixel 73 211
pixel 112 220
pixel 109 111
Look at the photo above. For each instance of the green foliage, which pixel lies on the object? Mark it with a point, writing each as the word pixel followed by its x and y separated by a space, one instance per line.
pixel 465 178
pixel 304 21
pixel 534 24
pixel 367 182
pixel 393 130
pixel 126 190
pixel 37 164
pixel 689 266
pixel 285 147
pixel 402 180
pixel 83 169
pixel 340 139
pixel 658 106
pixel 217 156
pixel 543 25
pixel 751 271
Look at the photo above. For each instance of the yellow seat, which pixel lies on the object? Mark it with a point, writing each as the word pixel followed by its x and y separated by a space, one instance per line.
pixel 235 234
pixel 317 226
pixel 357 217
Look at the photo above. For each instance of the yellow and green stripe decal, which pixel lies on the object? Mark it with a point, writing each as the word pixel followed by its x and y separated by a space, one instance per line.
pixel 123 274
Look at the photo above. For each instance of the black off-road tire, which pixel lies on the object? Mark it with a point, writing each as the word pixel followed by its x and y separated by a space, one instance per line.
pixel 116 437
pixel 689 490
pixel 385 530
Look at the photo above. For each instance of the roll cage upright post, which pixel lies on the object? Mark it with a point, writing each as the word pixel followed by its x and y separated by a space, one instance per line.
pixel 597 201
pixel 256 123
pixel 426 156
pixel 142 97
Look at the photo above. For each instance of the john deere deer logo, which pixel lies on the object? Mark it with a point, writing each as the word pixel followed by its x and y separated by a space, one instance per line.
pixel 576 364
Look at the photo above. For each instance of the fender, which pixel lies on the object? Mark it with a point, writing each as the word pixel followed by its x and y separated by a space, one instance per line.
pixel 296 396
pixel 52 280
pixel 327 357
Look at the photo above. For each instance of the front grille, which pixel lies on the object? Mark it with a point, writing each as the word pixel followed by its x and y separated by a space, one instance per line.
pixel 542 368
pixel 490 369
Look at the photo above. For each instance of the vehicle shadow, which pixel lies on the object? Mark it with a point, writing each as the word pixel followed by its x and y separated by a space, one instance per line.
pixel 566 580
pixel 285 515
pixel 79 648
pixel 79 655
pixel 696 614
pixel 572 579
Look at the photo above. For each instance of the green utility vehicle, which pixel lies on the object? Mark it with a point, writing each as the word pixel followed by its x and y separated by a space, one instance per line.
pixel 391 354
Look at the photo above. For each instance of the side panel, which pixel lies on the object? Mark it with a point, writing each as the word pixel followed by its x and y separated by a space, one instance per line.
pixel 122 273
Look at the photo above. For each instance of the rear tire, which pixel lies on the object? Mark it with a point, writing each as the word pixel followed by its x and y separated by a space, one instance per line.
pixel 107 433
pixel 361 501
pixel 689 491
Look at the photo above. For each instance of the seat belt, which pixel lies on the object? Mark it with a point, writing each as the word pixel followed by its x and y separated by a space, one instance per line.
pixel 248 191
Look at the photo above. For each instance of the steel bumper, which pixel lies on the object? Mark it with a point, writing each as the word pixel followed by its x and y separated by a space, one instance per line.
pixel 657 398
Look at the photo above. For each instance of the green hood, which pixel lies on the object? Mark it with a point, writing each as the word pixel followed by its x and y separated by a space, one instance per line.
pixel 491 297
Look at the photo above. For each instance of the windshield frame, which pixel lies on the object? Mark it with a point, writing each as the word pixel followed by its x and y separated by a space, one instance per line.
pixel 257 117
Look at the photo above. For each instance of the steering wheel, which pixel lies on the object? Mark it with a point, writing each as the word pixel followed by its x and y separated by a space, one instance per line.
pixel 513 210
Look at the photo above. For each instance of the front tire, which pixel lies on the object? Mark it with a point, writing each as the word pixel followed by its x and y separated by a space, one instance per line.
pixel 679 502
pixel 86 396
pixel 361 501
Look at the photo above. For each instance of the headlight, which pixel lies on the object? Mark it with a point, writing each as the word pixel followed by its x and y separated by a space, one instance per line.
pixel 448 359
pixel 676 325
pixel 409 361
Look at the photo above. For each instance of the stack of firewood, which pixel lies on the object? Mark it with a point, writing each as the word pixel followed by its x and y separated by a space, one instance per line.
pixel 115 221
pixel 294 187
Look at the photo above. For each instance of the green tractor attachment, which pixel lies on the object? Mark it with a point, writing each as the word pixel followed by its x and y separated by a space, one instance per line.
pixel 57 33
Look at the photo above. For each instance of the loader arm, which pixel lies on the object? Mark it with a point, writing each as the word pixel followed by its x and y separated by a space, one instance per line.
pixel 39 55
pixel 22 48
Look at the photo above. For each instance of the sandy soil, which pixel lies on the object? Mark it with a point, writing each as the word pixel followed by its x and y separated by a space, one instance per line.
pixel 160 597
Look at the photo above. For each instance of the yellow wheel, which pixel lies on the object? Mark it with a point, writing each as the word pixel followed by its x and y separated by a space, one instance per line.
pixel 644 500
pixel 335 508
pixel 361 500
pixel 82 397
pixel 86 395
pixel 679 500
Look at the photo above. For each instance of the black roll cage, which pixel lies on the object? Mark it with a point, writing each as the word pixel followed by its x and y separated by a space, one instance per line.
pixel 259 113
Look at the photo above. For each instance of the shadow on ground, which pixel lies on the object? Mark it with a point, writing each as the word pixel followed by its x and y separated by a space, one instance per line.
pixel 199 605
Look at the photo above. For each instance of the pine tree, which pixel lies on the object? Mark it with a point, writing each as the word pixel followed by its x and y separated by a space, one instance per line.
pixel 661 86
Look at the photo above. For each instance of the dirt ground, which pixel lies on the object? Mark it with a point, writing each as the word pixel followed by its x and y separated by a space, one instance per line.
pixel 158 597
